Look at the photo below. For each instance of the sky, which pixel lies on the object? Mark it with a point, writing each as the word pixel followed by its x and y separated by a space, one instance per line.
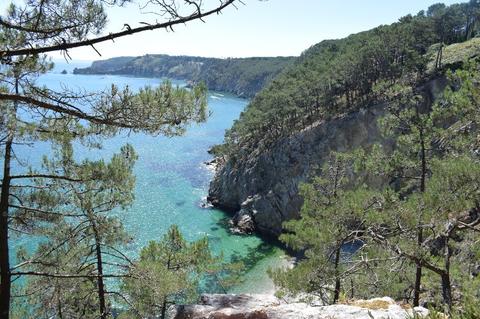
pixel 258 28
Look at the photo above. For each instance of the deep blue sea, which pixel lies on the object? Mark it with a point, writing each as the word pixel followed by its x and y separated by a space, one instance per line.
pixel 172 179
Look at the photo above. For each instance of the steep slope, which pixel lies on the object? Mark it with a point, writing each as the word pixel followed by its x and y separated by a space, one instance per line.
pixel 329 100
pixel 242 77
pixel 264 187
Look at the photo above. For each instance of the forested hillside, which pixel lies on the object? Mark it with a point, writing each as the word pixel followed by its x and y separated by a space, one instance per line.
pixel 242 77
pixel 338 76
pixel 364 157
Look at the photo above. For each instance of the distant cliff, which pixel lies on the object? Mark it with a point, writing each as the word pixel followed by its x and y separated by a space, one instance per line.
pixel 243 77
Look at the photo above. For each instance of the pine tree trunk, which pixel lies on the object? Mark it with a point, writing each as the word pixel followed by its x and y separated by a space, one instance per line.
pixel 5 283
pixel 100 283
pixel 336 295
pixel 418 274
pixel 447 291
pixel 446 284
pixel 441 56
pixel 438 62
pixel 59 305
pixel 164 303
pixel 164 308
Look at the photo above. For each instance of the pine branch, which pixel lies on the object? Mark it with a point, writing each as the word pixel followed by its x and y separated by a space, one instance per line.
pixel 44 212
pixel 57 177
pixel 9 25
pixel 66 276
pixel 112 36
pixel 396 250
pixel 63 109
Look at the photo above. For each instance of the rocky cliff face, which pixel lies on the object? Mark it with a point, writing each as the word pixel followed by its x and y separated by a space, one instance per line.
pixel 269 307
pixel 264 188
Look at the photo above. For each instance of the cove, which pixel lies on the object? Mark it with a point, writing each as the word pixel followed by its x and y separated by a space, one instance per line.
pixel 172 180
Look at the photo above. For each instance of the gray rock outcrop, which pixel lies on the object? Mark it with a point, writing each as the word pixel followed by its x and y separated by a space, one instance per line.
pixel 264 186
pixel 269 307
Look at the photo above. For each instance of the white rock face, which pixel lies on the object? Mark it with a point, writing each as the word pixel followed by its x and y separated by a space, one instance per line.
pixel 269 307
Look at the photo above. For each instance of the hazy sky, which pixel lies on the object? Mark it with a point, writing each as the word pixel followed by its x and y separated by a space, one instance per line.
pixel 258 28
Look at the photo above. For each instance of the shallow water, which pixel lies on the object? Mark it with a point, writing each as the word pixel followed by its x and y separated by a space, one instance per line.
pixel 172 180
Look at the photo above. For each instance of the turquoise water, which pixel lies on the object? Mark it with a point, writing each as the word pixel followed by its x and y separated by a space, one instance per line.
pixel 172 180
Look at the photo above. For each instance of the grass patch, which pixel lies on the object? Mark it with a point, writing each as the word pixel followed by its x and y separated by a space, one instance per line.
pixel 454 53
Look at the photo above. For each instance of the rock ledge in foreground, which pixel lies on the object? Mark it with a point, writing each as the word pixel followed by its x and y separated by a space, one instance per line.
pixel 269 307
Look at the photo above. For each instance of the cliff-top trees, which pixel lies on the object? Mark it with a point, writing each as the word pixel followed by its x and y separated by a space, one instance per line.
pixel 425 213
pixel 37 198
pixel 334 77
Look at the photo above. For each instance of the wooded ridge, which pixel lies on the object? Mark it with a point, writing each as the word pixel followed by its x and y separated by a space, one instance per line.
pixel 243 77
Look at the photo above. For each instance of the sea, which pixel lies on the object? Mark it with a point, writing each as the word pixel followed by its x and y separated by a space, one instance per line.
pixel 172 179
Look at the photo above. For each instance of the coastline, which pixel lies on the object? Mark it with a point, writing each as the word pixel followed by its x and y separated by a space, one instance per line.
pixel 256 279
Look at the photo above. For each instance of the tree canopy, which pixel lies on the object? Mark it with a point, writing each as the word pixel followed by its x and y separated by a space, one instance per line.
pixel 334 77
pixel 419 227
pixel 64 201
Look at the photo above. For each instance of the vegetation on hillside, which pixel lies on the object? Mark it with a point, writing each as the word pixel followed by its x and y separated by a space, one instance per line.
pixel 339 76
pixel 418 228
pixel 243 77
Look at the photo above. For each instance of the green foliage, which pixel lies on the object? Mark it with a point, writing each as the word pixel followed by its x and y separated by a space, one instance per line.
pixel 70 297
pixel 65 204
pixel 322 232
pixel 167 272
pixel 424 215
pixel 458 112
pixel 434 174
pixel 72 219
pixel 339 76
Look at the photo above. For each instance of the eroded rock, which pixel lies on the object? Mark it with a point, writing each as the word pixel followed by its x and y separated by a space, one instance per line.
pixel 265 185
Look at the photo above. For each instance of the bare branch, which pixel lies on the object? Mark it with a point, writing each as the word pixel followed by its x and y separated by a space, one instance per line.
pixel 33 176
pixel 66 276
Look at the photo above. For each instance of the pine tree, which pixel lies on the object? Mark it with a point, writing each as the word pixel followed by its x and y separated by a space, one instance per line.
pixel 433 171
pixel 410 123
pixel 40 197
pixel 89 236
pixel 331 219
pixel 167 272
